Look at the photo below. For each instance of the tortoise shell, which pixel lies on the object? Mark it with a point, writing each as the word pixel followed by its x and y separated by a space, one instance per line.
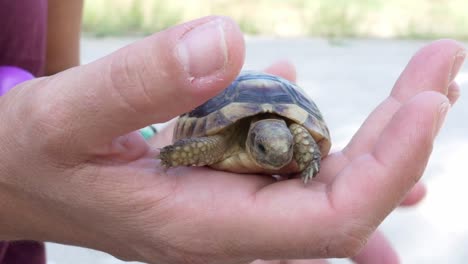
pixel 254 93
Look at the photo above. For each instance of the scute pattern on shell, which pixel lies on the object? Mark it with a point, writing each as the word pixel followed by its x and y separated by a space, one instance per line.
pixel 258 88
pixel 250 94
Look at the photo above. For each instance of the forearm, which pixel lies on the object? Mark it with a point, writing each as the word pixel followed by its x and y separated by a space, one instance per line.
pixel 63 35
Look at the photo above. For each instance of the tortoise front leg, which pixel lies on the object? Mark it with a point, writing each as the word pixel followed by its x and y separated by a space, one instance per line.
pixel 194 151
pixel 306 152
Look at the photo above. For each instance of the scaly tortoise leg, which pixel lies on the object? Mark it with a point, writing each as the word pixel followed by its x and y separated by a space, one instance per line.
pixel 194 151
pixel 306 152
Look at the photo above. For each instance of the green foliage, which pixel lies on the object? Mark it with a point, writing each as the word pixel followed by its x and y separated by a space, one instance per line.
pixel 106 17
pixel 333 19
pixel 248 26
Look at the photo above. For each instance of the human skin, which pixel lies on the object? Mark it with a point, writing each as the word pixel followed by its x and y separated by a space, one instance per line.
pixel 73 171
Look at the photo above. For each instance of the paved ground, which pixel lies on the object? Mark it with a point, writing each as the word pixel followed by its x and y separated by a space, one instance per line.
pixel 347 81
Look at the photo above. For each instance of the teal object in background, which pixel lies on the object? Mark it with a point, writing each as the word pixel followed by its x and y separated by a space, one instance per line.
pixel 148 132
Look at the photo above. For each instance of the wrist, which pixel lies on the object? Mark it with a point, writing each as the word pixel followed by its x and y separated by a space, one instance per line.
pixel 16 219
pixel 29 213
pixel 23 214
pixel 26 216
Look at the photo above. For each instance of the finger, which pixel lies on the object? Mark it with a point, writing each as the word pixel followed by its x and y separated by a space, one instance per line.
pixel 283 68
pixel 147 82
pixel 415 195
pixel 442 58
pixel 431 69
pixel 380 180
pixel 453 93
pixel 377 250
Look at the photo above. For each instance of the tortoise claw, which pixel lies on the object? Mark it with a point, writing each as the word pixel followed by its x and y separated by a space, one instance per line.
pixel 162 161
pixel 311 171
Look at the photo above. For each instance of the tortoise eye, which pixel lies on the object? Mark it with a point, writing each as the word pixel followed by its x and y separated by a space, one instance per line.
pixel 261 148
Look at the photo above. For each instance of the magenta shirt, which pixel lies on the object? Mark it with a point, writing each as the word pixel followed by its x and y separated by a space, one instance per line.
pixel 22 43
pixel 23 34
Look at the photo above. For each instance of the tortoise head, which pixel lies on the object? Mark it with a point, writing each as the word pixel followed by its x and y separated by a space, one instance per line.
pixel 270 143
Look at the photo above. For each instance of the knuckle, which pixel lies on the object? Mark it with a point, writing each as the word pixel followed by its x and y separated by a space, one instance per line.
pixel 45 119
pixel 37 107
pixel 130 82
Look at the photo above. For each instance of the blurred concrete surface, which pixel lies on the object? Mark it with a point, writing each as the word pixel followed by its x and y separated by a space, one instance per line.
pixel 347 80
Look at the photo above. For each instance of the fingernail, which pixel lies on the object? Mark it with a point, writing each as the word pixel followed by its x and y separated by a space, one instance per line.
pixel 203 49
pixel 444 107
pixel 457 63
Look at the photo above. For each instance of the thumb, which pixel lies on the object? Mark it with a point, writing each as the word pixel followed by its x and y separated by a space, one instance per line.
pixel 150 81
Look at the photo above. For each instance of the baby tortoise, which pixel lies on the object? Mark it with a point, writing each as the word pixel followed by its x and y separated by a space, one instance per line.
pixel 260 124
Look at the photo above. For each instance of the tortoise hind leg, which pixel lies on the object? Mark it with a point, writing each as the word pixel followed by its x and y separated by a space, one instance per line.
pixel 194 151
pixel 306 152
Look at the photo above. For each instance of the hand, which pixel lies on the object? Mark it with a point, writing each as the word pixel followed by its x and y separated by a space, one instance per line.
pixel 377 249
pixel 73 172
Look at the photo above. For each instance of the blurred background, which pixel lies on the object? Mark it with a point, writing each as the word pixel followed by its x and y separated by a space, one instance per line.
pixel 348 55
pixel 416 19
